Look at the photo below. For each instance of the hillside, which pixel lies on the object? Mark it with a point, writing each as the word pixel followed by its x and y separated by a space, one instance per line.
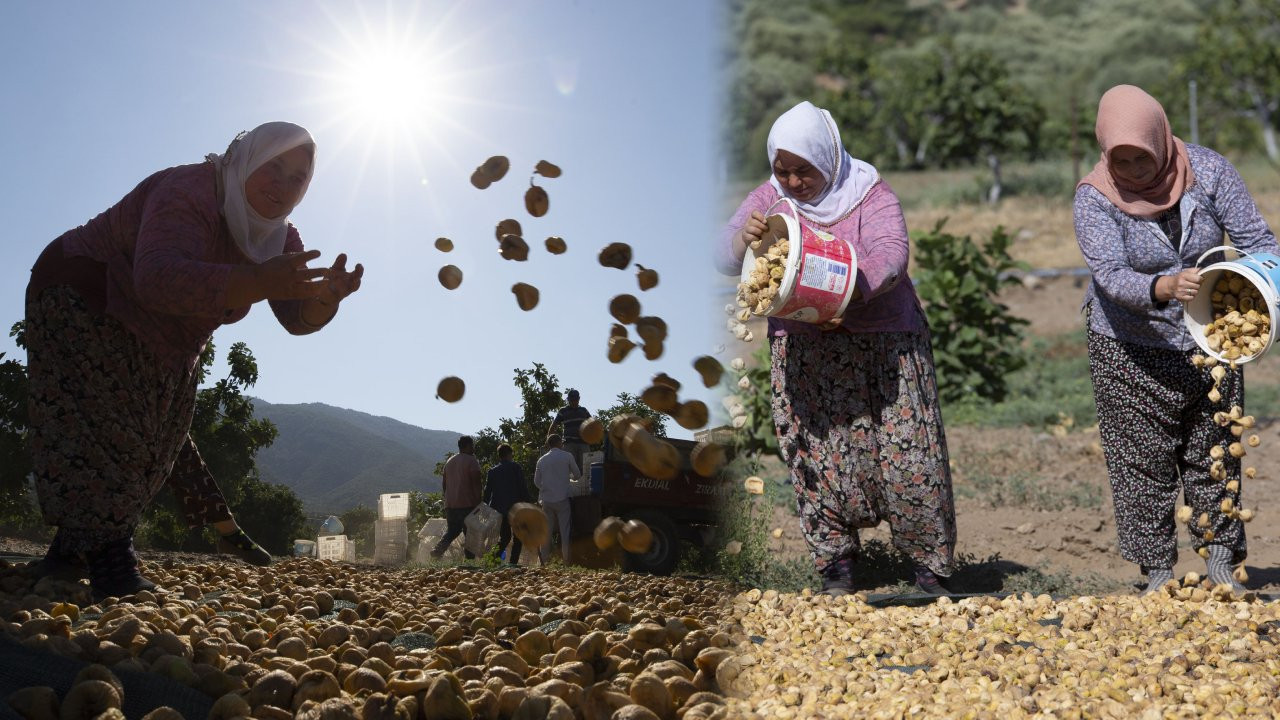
pixel 335 458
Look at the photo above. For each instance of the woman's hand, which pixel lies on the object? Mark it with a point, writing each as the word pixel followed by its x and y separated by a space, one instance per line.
pixel 339 283
pixel 287 277
pixel 284 277
pixel 753 231
pixel 1182 287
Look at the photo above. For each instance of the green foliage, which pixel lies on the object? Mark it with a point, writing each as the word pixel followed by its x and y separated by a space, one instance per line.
pixel 229 437
pixel 357 525
pixel 757 436
pixel 747 520
pixel 271 514
pixel 422 507
pixel 541 398
pixel 1041 393
pixel 1237 63
pixel 627 404
pixel 18 511
pixel 900 77
pixel 976 341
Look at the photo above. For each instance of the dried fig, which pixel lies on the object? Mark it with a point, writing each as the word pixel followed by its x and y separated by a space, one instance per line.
pixel 526 296
pixel 616 255
pixel 536 201
pixel 451 389
pixel 546 169
pixel 450 277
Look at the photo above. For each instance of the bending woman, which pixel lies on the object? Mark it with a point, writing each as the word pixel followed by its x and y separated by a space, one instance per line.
pixel 1148 210
pixel 117 313
pixel 855 402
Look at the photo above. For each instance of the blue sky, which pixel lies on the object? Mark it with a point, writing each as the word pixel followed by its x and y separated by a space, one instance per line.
pixel 405 99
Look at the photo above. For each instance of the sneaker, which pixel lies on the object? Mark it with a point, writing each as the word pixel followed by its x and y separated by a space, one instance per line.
pixel 241 545
pixel 928 582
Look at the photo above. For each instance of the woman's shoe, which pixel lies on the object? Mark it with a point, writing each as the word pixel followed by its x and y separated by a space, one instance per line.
pixel 837 578
pixel 58 563
pixel 242 546
pixel 928 582
pixel 113 571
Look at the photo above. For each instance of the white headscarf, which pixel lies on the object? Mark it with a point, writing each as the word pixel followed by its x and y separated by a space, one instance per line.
pixel 809 132
pixel 259 238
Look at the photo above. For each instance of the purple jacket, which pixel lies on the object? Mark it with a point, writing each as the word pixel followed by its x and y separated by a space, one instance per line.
pixel 159 262
pixel 878 233
pixel 1126 254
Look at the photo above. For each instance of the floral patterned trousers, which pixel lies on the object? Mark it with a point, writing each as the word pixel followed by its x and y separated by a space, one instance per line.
pixel 859 427
pixel 109 426
pixel 1157 428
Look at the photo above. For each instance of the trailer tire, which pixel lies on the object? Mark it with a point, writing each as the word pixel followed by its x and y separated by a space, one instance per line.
pixel 664 553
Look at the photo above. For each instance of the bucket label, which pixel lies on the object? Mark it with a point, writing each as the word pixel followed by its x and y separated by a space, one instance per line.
pixel 824 273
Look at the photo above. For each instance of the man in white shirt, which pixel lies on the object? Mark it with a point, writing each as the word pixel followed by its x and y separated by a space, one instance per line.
pixel 554 471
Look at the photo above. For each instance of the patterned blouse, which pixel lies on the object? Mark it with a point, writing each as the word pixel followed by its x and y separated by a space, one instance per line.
pixel 159 261
pixel 878 232
pixel 1126 254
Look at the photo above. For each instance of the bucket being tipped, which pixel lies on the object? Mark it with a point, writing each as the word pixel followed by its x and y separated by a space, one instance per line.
pixel 1258 272
pixel 812 282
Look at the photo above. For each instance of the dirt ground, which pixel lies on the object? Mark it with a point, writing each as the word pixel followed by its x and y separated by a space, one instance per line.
pixel 1072 529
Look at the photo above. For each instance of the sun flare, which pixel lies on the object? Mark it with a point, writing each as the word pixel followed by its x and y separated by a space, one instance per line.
pixel 389 87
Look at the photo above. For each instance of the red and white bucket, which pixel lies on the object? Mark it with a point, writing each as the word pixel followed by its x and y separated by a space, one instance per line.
pixel 821 270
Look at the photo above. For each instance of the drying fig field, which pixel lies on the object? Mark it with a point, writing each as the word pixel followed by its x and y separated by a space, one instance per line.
pixel 314 639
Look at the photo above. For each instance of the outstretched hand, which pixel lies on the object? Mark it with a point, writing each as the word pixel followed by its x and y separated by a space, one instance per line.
pixel 340 283
pixel 287 277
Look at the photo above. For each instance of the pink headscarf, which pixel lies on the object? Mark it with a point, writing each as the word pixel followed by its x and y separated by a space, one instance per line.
pixel 1127 115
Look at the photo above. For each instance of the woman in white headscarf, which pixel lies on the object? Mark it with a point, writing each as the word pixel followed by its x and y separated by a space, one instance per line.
pixel 855 401
pixel 118 311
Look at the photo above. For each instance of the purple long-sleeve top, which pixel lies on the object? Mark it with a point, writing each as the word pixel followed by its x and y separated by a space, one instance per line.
pixel 878 233
pixel 1126 254
pixel 160 261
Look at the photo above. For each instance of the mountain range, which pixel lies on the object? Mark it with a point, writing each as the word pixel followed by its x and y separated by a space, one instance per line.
pixel 335 459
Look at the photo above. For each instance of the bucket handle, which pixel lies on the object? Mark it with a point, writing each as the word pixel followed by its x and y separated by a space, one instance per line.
pixel 1213 250
pixel 790 203
pixel 1247 254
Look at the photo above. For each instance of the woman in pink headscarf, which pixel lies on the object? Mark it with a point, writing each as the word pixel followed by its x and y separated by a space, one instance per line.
pixel 855 402
pixel 1148 210
pixel 117 313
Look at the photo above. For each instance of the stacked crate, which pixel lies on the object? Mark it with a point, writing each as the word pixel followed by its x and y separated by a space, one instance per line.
pixel 391 529
pixel 333 547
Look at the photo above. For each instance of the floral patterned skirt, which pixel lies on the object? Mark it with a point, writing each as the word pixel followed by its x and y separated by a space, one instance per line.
pixel 107 423
pixel 859 427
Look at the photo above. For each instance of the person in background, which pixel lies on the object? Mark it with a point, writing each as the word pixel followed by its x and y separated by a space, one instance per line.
pixel 569 419
pixel 118 311
pixel 462 490
pixel 556 468
pixel 504 486
pixel 855 401
pixel 1143 217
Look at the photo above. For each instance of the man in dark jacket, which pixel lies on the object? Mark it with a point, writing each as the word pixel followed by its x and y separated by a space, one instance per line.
pixel 504 486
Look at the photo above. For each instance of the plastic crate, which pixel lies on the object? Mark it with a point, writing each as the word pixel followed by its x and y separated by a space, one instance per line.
pixel 391 531
pixel 331 547
pixel 435 527
pixel 390 553
pixel 351 550
pixel 304 548
pixel 393 506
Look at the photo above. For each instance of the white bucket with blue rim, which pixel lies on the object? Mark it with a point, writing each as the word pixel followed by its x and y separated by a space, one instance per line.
pixel 1262 270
